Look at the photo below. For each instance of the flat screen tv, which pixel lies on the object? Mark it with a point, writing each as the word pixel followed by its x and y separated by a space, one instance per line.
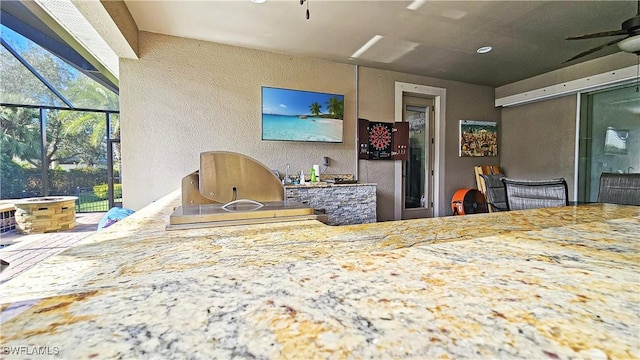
pixel 296 115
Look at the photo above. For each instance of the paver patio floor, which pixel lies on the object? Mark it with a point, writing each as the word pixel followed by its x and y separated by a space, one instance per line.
pixel 25 251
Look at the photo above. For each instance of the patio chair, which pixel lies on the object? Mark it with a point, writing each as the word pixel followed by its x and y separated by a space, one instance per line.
pixel 495 192
pixel 623 189
pixel 534 194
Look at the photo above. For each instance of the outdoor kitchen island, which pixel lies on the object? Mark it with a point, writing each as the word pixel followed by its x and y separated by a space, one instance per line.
pixel 548 283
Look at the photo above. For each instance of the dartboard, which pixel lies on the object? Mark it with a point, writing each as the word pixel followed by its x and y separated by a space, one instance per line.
pixel 379 137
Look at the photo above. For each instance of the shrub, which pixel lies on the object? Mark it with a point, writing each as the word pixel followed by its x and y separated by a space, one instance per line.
pixel 18 182
pixel 101 191
pixel 11 178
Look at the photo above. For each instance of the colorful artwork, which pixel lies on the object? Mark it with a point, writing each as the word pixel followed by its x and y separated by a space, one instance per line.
pixel 478 138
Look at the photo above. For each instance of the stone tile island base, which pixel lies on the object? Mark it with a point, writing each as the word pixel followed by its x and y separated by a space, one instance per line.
pixel 45 214
pixel 344 204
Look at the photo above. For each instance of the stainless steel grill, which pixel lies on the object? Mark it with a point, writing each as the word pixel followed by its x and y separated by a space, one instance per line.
pixel 234 189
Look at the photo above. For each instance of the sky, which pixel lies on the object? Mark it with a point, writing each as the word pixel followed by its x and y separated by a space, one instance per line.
pixel 293 102
pixel 16 41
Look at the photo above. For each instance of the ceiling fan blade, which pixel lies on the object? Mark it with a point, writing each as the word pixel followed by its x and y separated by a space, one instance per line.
pixel 600 34
pixel 594 49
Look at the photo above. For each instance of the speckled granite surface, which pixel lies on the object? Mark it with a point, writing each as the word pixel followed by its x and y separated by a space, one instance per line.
pixel 548 283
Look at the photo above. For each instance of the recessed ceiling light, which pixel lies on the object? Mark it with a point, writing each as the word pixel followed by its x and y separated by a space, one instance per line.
pixel 484 49
pixel 258 1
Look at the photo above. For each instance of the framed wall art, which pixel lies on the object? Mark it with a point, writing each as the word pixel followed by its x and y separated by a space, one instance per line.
pixel 478 138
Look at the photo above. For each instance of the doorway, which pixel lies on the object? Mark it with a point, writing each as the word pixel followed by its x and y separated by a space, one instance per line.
pixel 417 170
pixel 438 101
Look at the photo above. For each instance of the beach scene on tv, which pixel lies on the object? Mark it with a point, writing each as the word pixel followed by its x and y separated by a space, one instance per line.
pixel 295 115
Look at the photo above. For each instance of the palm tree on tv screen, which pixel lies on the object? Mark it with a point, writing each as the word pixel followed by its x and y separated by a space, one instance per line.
pixel 315 108
pixel 336 107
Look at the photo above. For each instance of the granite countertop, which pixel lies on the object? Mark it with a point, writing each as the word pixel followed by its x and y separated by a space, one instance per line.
pixel 549 283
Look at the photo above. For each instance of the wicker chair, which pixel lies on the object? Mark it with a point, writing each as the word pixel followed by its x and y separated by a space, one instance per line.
pixel 495 192
pixel 534 194
pixel 621 189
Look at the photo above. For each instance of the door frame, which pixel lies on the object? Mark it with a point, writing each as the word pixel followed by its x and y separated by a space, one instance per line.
pixel 439 96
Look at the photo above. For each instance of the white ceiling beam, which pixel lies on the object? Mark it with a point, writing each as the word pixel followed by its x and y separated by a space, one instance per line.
pixel 589 83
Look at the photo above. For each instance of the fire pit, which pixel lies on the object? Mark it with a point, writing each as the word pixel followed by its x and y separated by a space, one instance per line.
pixel 45 214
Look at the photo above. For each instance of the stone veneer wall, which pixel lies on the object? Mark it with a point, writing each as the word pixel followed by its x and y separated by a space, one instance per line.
pixel 343 204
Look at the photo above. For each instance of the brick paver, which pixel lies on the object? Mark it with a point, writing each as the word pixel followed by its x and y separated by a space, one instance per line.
pixel 26 251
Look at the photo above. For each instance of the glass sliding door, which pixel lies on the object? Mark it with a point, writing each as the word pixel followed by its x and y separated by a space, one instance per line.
pixel 609 137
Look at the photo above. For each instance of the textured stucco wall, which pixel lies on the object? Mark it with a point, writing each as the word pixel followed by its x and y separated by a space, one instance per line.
pixel 186 96
pixel 538 140
pixel 183 97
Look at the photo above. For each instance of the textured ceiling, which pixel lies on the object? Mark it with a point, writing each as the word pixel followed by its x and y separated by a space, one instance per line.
pixel 439 39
